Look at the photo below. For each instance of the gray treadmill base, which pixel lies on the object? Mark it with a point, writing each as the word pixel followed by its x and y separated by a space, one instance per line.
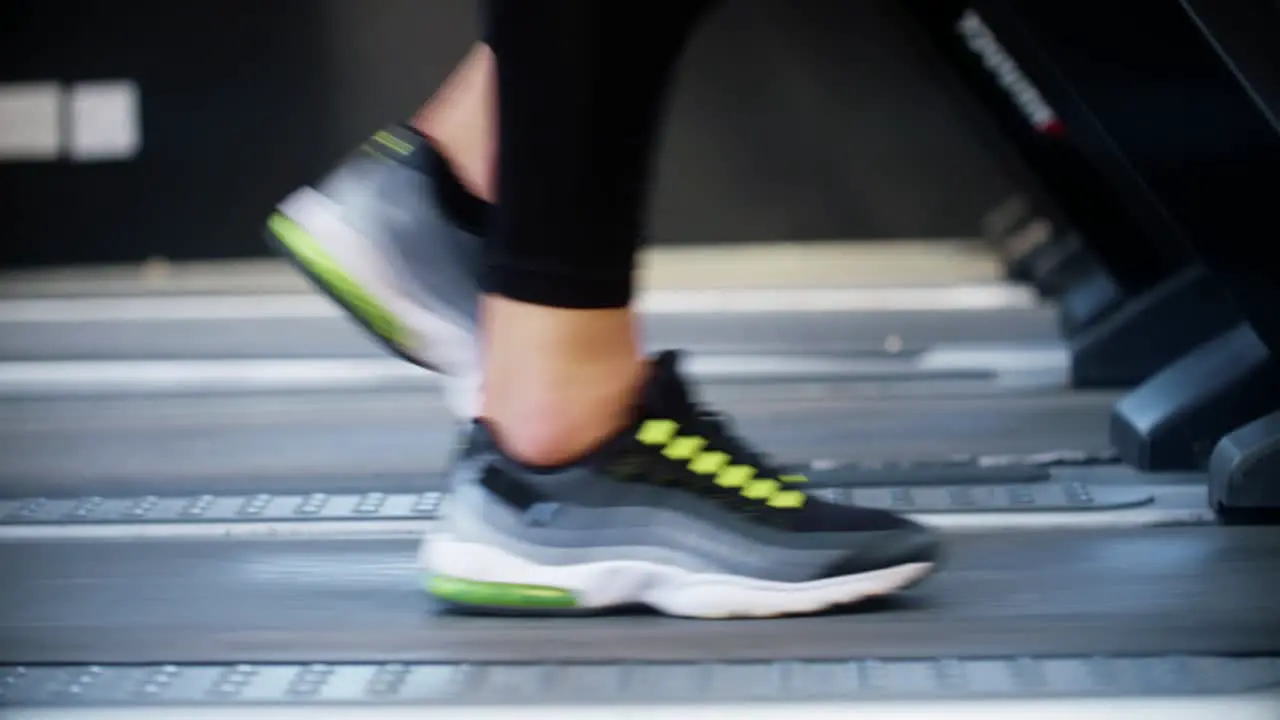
pixel 1019 498
pixel 561 684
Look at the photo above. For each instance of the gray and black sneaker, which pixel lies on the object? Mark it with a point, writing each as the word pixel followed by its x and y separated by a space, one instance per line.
pixel 393 238
pixel 673 513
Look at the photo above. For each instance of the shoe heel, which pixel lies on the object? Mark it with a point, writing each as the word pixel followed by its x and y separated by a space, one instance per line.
pixel 294 243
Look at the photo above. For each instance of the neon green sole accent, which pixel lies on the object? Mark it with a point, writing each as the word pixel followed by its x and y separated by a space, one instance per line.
pixel 326 270
pixel 499 595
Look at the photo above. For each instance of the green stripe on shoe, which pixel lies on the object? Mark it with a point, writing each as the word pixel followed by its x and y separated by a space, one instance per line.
pixel 327 271
pixel 499 595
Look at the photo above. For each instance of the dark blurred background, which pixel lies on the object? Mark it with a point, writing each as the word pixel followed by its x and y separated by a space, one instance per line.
pixel 799 120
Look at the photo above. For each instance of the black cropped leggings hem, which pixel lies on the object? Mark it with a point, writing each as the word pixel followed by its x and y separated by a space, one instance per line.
pixel 582 86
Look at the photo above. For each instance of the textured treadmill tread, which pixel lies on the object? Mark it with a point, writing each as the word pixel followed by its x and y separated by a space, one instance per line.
pixel 287 507
pixel 545 683
pixel 1164 591
pixel 978 470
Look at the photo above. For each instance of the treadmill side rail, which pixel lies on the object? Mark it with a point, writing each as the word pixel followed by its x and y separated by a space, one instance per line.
pixel 1149 331
pixel 1173 420
pixel 1244 470
pixel 1056 267
pixel 1092 297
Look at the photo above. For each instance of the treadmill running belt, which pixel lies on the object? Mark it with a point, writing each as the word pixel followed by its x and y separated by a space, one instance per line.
pixel 1155 592
pixel 268 442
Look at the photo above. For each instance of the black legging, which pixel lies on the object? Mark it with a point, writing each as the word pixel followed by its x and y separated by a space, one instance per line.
pixel 581 91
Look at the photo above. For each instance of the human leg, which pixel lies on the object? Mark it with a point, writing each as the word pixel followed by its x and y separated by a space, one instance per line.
pixel 592 478
pixel 562 357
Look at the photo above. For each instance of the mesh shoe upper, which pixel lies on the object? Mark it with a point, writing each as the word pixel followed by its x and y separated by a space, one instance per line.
pixel 678 487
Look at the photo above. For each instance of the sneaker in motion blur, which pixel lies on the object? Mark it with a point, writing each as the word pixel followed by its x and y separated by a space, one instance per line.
pixel 393 238
pixel 674 513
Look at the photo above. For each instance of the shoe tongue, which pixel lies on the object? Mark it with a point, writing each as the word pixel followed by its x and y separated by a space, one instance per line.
pixel 665 394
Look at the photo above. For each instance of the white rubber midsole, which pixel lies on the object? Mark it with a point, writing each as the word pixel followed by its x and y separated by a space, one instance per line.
pixel 668 589
pixel 434 339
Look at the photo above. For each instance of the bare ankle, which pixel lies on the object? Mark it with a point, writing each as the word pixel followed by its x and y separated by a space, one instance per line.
pixel 548 419
pixel 558 382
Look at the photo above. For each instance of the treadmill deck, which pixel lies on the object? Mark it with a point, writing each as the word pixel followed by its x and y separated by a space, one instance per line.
pixel 253 552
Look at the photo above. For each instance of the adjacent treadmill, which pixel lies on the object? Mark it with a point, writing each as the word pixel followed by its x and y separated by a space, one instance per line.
pixel 1149 301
